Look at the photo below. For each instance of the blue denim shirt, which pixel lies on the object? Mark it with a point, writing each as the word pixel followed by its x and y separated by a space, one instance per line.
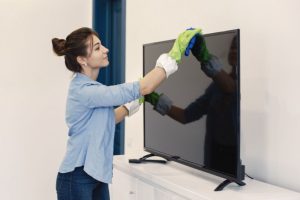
pixel 91 121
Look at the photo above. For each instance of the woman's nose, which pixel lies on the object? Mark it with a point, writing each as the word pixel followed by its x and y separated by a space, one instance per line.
pixel 105 50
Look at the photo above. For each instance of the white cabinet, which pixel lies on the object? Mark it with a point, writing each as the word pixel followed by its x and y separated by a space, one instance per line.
pixel 144 191
pixel 125 187
pixel 173 181
pixel 165 195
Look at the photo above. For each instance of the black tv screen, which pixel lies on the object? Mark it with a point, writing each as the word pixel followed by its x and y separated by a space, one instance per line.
pixel 206 136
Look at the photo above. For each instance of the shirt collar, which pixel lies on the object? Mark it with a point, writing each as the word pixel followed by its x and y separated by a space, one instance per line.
pixel 84 77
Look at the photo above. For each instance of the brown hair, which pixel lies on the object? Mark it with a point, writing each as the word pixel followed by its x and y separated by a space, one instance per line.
pixel 74 45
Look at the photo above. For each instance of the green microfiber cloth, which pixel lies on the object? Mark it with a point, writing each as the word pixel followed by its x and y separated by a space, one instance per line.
pixel 181 43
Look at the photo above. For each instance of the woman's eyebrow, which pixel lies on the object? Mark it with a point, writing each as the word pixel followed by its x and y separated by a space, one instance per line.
pixel 96 43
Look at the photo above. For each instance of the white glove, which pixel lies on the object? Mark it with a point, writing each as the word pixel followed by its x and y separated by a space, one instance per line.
pixel 132 107
pixel 167 63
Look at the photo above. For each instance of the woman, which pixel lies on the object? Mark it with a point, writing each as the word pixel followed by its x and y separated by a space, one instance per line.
pixel 86 169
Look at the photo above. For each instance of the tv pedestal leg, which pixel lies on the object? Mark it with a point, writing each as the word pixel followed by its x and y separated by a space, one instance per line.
pixel 227 182
pixel 144 159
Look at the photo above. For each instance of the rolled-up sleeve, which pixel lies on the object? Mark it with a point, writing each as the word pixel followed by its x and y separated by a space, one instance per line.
pixel 98 95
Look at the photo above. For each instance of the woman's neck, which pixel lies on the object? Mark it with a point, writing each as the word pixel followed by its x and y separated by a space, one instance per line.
pixel 92 73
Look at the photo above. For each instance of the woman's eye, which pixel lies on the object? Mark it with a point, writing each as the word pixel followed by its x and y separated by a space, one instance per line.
pixel 97 48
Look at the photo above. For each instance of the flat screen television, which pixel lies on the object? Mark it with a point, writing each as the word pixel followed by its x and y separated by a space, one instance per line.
pixel 202 128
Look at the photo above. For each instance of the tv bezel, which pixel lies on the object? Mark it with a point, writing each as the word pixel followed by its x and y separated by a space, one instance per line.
pixel 240 174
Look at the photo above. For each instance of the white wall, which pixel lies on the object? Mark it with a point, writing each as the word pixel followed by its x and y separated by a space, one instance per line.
pixel 33 86
pixel 269 73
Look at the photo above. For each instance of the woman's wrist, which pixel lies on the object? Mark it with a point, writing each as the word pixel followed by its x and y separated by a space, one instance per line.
pixel 126 111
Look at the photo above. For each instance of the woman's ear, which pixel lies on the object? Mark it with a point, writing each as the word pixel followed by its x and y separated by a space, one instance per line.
pixel 81 60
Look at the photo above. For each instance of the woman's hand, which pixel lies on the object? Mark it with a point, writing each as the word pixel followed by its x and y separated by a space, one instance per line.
pixel 182 42
pixel 132 107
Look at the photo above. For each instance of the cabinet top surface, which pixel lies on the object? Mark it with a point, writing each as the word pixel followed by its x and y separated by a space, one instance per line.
pixel 195 183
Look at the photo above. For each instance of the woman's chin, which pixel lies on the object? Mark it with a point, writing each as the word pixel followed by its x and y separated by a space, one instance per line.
pixel 104 64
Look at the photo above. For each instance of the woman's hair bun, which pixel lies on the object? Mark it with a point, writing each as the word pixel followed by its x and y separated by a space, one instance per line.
pixel 59 46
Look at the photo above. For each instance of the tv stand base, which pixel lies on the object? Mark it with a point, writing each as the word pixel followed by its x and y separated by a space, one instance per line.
pixel 144 159
pixel 227 182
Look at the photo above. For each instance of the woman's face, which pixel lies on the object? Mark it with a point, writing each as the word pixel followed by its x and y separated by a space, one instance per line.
pixel 97 54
